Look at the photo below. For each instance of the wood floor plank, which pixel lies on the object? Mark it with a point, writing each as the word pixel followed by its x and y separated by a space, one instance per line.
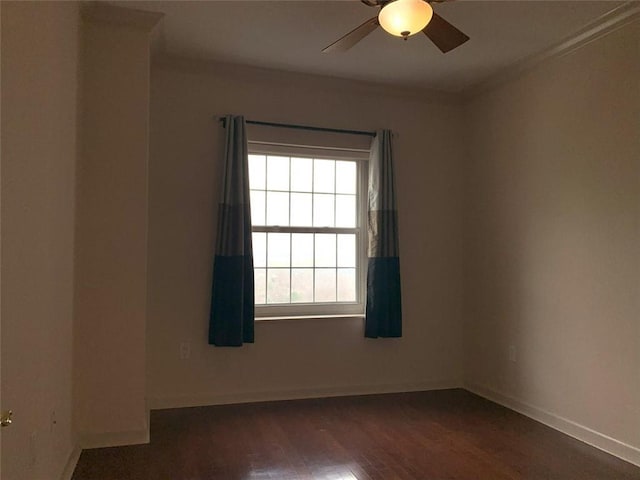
pixel 449 434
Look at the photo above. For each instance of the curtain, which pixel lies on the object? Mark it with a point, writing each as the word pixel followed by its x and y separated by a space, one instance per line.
pixel 383 317
pixel 232 302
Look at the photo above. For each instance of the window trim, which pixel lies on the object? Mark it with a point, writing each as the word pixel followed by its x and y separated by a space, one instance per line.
pixel 291 311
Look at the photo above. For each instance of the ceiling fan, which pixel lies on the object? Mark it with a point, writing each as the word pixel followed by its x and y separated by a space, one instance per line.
pixel 404 18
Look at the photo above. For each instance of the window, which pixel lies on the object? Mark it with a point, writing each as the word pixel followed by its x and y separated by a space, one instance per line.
pixel 307 212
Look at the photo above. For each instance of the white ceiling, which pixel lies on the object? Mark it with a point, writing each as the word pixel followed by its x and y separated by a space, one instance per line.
pixel 289 35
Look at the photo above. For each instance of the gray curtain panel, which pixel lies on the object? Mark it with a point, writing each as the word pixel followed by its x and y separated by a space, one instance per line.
pixel 232 314
pixel 384 306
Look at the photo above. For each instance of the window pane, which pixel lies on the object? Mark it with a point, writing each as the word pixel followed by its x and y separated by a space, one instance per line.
pixel 325 250
pixel 325 286
pixel 324 176
pixel 259 249
pixel 347 250
pixel 278 250
pixel 260 282
pixel 278 285
pixel 346 284
pixel 296 193
pixel 302 285
pixel 301 174
pixel 301 210
pixel 302 249
pixel 323 209
pixel 277 208
pixel 346 211
pixel 257 207
pixel 277 173
pixel 346 177
pixel 257 172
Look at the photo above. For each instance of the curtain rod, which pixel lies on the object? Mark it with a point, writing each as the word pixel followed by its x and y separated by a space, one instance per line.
pixel 302 127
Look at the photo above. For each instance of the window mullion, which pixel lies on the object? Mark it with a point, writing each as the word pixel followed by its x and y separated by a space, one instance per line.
pixel 335 212
pixel 290 237
pixel 266 269
pixel 313 222
pixel 266 187
pixel 313 197
pixel 336 266
pixel 279 229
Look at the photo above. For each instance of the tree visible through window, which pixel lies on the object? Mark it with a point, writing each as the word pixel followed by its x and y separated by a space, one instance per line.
pixel 307 240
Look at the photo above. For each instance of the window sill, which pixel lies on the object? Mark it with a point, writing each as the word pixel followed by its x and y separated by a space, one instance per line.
pixel 346 316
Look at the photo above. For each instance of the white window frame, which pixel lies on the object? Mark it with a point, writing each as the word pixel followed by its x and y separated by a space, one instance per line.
pixel 332 309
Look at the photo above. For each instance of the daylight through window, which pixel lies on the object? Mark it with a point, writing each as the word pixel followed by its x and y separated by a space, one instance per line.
pixel 307 241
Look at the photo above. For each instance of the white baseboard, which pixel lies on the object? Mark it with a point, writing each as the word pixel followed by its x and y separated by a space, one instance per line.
pixel 114 439
pixel 72 461
pixel 585 434
pixel 197 400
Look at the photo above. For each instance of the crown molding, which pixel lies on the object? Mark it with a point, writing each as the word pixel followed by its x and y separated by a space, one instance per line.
pixel 611 21
pixel 103 13
pixel 239 72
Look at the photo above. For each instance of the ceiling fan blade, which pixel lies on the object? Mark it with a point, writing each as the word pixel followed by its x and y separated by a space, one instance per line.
pixel 353 37
pixel 443 34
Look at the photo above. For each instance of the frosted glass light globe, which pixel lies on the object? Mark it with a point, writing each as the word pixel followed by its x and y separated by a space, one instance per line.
pixel 404 18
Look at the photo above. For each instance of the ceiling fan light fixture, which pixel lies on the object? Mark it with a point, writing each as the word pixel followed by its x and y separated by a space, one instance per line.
pixel 404 18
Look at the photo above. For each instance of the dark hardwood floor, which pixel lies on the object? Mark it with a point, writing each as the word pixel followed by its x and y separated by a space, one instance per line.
pixel 450 434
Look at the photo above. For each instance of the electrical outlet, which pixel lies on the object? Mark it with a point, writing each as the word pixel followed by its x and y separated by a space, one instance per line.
pixel 53 421
pixel 185 350
pixel 512 354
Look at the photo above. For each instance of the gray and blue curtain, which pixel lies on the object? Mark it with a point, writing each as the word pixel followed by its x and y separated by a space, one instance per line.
pixel 383 317
pixel 232 305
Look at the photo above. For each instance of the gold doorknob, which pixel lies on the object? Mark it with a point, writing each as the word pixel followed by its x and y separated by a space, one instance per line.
pixel 5 418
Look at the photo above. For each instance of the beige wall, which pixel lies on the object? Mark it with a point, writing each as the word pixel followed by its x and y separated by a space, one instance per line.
pixel 554 240
pixel 39 95
pixel 111 271
pixel 307 357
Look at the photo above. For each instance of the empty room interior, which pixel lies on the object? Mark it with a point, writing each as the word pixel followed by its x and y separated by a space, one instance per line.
pixel 329 240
